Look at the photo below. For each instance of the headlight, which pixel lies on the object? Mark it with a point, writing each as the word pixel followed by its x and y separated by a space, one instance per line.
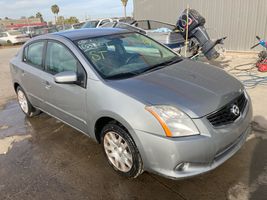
pixel 174 122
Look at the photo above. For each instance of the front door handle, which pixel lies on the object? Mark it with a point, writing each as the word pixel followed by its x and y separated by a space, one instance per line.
pixel 47 85
pixel 23 73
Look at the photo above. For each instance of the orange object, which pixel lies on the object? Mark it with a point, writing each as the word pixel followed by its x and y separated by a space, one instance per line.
pixel 262 66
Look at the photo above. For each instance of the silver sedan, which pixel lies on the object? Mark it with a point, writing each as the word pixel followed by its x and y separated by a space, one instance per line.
pixel 150 109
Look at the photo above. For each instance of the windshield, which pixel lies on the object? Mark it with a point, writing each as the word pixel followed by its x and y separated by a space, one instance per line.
pixel 125 55
pixel 79 25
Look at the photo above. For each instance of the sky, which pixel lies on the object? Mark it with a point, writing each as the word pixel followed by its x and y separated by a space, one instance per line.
pixel 79 8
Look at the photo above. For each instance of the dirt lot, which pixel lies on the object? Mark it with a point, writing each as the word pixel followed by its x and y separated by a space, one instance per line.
pixel 41 158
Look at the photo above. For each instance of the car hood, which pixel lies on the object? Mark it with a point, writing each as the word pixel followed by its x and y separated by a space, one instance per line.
pixel 195 88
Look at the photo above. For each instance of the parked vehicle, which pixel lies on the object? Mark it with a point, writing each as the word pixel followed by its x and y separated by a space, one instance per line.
pixel 99 22
pixel 150 109
pixel 174 36
pixel 78 25
pixel 95 23
pixel 13 37
pixel 28 30
pixel 70 26
pixel 45 30
pixel 160 31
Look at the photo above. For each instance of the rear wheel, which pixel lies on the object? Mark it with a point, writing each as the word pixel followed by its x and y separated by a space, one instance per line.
pixel 24 103
pixel 121 151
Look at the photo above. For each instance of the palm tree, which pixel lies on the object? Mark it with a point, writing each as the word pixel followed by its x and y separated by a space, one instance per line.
pixel 124 3
pixel 55 11
pixel 40 16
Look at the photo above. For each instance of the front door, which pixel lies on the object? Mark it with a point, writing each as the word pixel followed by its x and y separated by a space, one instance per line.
pixel 65 101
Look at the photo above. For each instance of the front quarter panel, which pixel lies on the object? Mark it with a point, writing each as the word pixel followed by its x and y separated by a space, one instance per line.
pixel 104 101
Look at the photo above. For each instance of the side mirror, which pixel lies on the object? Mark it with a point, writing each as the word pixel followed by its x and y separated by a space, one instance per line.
pixel 66 77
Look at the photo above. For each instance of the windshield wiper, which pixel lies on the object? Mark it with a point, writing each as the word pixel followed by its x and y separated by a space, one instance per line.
pixel 149 69
pixel 122 75
pixel 162 65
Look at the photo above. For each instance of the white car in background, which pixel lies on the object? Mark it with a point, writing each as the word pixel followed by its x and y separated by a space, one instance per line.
pixel 96 23
pixel 13 37
pixel 99 22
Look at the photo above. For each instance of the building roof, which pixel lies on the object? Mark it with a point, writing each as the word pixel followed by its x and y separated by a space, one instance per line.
pixel 90 32
pixel 17 23
pixel 25 25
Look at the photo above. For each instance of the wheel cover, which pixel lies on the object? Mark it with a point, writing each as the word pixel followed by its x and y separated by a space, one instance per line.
pixel 23 101
pixel 118 151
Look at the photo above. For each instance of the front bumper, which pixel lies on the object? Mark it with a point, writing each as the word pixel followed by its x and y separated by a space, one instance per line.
pixel 183 157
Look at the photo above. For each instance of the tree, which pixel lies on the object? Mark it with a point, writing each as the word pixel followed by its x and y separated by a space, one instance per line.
pixel 40 16
pixel 31 17
pixel 55 11
pixel 71 20
pixel 60 20
pixel 6 18
pixel 124 3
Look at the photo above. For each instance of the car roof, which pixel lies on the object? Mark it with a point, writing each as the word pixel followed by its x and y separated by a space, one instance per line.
pixel 90 33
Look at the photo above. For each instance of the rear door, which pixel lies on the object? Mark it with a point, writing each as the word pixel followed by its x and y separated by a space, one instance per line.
pixel 32 72
pixel 65 101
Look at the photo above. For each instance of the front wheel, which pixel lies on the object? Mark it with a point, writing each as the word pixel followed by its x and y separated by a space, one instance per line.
pixel 24 103
pixel 9 42
pixel 121 151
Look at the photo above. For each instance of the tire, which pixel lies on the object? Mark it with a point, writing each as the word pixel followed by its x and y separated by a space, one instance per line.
pixel 9 42
pixel 121 151
pixel 25 104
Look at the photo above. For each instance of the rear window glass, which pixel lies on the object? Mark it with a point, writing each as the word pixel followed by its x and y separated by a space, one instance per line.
pixel 33 54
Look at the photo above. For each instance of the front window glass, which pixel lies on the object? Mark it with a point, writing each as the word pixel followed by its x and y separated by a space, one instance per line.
pixel 59 59
pixel 124 55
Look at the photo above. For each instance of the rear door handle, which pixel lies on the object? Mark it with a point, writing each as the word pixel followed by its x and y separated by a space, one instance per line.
pixel 23 73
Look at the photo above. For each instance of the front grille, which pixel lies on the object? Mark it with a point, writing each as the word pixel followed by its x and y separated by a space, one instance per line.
pixel 225 114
